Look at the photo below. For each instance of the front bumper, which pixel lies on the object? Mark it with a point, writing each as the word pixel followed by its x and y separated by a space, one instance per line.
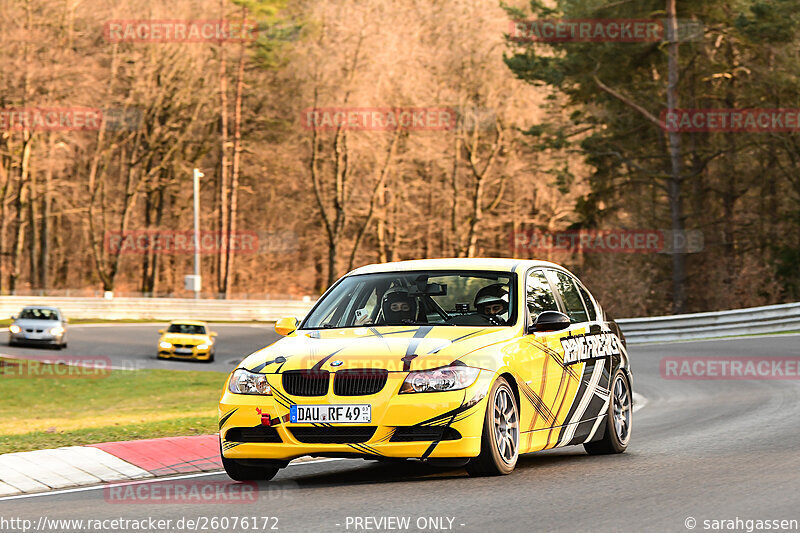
pixel 404 424
pixel 42 340
pixel 200 355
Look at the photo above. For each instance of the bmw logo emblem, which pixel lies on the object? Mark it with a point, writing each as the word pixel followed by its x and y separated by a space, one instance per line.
pixel 337 363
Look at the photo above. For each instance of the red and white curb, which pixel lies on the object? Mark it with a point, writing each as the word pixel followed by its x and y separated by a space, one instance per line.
pixel 77 466
pixel 95 464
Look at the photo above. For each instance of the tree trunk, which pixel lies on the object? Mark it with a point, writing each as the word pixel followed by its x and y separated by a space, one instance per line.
pixel 674 185
pixel 5 193
pixel 44 236
pixel 22 199
pixel 223 160
pixel 235 169
pixel 33 237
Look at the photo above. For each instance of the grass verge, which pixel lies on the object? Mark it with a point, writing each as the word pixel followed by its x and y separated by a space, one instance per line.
pixel 47 406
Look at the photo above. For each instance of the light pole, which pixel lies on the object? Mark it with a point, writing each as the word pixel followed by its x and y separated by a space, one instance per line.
pixel 195 283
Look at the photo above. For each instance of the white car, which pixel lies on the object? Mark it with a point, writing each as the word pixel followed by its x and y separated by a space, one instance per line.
pixel 38 325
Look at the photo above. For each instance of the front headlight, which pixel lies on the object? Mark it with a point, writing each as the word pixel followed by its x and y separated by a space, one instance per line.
pixel 202 346
pixel 246 382
pixel 58 330
pixel 164 344
pixel 13 328
pixel 440 379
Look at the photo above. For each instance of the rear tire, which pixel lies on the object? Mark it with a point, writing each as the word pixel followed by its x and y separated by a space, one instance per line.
pixel 617 432
pixel 500 441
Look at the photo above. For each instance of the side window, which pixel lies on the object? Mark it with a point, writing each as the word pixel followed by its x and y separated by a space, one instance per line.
pixel 571 297
pixel 538 295
pixel 588 301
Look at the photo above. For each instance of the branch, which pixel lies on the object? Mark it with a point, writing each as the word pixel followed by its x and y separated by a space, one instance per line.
pixel 628 102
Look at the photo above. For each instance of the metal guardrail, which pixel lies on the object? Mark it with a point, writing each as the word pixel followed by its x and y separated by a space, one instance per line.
pixel 749 321
pixel 754 320
pixel 161 308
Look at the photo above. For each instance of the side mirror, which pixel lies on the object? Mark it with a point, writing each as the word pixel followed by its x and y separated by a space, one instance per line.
pixel 286 325
pixel 550 321
pixel 212 334
pixel 161 331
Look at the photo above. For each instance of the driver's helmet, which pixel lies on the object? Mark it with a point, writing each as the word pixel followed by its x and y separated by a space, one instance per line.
pixel 492 300
pixel 398 306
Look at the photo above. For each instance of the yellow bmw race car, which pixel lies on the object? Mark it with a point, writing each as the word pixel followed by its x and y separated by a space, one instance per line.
pixel 453 361
pixel 187 339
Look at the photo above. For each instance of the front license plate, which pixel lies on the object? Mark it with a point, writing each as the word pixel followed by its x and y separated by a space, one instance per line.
pixel 183 351
pixel 335 414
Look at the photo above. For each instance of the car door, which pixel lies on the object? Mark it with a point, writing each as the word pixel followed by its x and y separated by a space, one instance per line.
pixel 548 385
pixel 588 350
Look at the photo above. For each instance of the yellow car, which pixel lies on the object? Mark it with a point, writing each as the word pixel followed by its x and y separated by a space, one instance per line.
pixel 453 361
pixel 187 339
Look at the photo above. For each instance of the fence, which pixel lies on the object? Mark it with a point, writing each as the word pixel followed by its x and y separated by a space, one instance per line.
pixel 750 321
pixel 755 320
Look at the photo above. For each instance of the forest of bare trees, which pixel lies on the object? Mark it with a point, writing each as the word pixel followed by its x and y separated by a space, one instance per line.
pixel 544 136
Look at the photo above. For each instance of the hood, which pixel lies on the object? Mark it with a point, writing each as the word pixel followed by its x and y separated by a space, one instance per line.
pixel 396 348
pixel 29 323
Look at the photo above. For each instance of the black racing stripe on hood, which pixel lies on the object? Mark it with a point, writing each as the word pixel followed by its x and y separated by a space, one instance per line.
pixel 413 345
pixel 448 343
pixel 396 332
pixel 280 359
pixel 318 366
pixel 417 338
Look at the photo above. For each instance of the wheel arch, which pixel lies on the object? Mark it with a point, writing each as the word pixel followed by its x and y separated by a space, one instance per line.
pixel 512 382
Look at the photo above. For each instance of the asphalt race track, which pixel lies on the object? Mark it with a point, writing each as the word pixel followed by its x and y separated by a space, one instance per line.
pixel 701 450
pixel 133 346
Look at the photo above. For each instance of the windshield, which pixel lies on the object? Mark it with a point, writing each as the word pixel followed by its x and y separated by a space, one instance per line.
pixel 442 298
pixel 187 329
pixel 38 314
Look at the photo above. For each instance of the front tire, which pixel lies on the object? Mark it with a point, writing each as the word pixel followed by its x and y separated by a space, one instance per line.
pixel 500 441
pixel 617 433
pixel 239 472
